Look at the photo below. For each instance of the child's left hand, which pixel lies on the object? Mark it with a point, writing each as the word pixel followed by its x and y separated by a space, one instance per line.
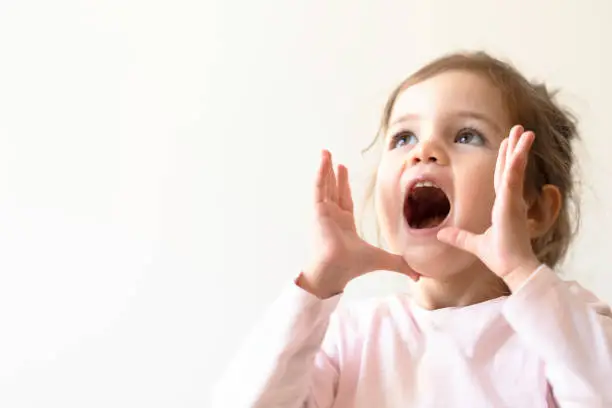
pixel 505 247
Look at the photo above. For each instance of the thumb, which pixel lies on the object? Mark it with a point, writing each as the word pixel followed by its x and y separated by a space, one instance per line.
pixel 384 260
pixel 459 238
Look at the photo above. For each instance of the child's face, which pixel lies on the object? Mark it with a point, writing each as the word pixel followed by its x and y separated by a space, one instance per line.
pixel 446 130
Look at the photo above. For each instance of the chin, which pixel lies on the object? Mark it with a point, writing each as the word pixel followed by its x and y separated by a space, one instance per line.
pixel 437 260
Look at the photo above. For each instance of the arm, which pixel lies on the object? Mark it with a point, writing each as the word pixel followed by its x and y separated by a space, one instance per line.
pixel 571 331
pixel 557 322
pixel 285 361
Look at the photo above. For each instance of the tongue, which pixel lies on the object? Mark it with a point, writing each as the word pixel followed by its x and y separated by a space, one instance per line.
pixel 431 222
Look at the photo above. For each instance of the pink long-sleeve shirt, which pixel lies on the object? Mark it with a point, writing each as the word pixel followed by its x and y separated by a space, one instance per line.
pixel 549 344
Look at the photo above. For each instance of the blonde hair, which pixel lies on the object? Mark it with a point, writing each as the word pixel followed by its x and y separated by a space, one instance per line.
pixel 551 159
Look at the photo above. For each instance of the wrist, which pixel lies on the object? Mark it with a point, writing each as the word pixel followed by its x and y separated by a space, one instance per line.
pixel 320 284
pixel 520 274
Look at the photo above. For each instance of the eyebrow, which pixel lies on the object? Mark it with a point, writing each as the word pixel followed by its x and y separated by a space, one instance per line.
pixel 461 114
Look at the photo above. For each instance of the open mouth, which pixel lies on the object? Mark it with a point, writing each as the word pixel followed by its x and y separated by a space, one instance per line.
pixel 426 205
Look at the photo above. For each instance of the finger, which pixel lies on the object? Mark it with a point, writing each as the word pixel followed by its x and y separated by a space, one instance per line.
pixel 320 194
pixel 518 163
pixel 524 144
pixel 501 163
pixel 345 199
pixel 459 238
pixel 515 134
pixel 332 183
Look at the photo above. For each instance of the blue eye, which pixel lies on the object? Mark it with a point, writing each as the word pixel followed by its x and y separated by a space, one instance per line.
pixel 402 138
pixel 470 136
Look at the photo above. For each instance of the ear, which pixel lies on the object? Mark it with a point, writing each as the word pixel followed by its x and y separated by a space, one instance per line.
pixel 544 210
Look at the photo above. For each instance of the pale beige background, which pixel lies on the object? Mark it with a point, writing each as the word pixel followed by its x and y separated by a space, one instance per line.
pixel 156 161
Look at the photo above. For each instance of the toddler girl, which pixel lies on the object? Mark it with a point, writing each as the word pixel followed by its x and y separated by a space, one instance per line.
pixel 473 196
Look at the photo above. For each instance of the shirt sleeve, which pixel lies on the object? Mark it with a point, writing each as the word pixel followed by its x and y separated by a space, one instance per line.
pixel 571 331
pixel 288 361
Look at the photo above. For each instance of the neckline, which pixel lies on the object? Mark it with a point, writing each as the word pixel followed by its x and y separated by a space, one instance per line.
pixel 451 321
pixel 450 309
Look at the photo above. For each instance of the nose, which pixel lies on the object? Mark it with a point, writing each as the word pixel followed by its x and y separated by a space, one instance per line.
pixel 428 151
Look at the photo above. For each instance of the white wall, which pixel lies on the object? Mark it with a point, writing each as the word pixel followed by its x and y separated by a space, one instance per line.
pixel 156 160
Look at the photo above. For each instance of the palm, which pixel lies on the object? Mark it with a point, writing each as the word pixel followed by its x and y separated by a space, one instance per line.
pixel 337 243
pixel 335 229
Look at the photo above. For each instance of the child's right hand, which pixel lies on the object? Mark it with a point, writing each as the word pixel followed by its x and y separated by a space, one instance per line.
pixel 339 254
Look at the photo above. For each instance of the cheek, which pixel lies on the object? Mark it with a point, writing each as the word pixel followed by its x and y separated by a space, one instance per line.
pixel 387 196
pixel 383 200
pixel 478 192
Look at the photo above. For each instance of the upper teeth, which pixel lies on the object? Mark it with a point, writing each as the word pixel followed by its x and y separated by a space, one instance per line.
pixel 425 184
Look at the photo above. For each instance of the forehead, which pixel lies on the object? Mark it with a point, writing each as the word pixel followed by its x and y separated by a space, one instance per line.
pixel 449 92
